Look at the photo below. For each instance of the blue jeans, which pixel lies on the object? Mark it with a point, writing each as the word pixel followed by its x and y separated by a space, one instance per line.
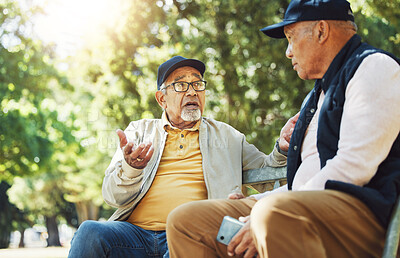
pixel 117 239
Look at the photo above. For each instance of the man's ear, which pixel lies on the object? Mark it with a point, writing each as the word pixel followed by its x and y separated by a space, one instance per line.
pixel 160 97
pixel 323 31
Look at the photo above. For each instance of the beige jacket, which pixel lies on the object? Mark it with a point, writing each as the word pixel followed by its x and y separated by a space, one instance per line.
pixel 225 152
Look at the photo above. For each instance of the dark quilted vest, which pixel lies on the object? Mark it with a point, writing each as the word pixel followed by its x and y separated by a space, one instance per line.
pixel 381 193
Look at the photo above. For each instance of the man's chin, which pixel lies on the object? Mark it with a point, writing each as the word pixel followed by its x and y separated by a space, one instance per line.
pixel 191 115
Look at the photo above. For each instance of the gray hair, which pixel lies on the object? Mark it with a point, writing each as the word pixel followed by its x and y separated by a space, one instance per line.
pixel 163 89
pixel 345 25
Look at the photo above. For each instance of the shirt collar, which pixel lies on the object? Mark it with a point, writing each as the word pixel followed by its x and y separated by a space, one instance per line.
pixel 167 125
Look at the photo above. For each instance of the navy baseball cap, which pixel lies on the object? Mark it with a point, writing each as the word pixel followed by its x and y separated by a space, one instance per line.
pixel 166 68
pixel 311 10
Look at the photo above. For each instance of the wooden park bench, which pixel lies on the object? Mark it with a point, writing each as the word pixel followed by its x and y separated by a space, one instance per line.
pixel 265 179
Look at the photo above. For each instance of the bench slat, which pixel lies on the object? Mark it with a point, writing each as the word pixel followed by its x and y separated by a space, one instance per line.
pixel 392 234
pixel 262 175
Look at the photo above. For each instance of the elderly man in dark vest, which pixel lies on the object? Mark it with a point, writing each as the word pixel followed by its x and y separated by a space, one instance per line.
pixel 344 157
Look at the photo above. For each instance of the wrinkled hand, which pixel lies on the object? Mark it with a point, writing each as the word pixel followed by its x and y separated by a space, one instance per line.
pixel 236 196
pixel 286 132
pixel 242 242
pixel 136 157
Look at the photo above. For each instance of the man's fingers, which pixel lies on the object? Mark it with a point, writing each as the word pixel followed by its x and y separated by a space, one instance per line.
pixel 128 149
pixel 235 241
pixel 246 246
pixel 122 138
pixel 145 151
pixel 244 219
pixel 235 196
pixel 239 242
pixel 295 117
pixel 232 245
pixel 250 252
pixel 284 141
pixel 140 153
pixel 138 157
pixel 287 137
pixel 149 155
pixel 136 152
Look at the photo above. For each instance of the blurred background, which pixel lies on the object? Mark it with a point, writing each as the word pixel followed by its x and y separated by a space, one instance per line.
pixel 73 71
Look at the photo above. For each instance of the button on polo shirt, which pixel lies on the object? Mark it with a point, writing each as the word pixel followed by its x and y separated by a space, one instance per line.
pixel 185 141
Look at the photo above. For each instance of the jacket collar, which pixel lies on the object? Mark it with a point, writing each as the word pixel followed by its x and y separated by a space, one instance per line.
pixel 167 125
pixel 340 59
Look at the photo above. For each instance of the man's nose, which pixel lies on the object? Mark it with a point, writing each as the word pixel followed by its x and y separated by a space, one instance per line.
pixel 191 90
pixel 288 52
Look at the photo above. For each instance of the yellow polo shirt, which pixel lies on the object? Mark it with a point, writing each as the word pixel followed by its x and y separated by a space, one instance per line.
pixel 179 179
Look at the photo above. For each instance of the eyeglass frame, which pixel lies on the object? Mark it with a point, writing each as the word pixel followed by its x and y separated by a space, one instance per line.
pixel 189 84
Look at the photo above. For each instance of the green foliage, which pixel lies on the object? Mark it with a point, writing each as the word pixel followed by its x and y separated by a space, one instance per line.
pixel 252 84
pixel 139 30
pixel 9 213
pixel 57 129
pixel 34 130
pixel 389 10
pixel 248 74
pixel 379 24
pixel 29 129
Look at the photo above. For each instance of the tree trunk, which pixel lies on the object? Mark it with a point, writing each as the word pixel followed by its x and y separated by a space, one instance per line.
pixel 52 230
pixel 5 216
pixel 4 239
pixel 87 210
pixel 21 240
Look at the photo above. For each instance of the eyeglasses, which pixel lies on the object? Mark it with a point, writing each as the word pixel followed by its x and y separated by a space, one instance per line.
pixel 184 86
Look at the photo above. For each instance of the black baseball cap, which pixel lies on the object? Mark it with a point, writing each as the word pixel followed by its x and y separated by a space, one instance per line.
pixel 166 68
pixel 311 10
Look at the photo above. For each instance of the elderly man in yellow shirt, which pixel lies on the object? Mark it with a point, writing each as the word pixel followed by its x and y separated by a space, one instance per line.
pixel 162 163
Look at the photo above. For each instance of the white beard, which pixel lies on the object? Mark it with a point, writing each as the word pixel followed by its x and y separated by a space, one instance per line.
pixel 191 115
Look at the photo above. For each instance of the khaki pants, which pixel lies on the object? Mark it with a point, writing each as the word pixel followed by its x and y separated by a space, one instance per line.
pixel 291 224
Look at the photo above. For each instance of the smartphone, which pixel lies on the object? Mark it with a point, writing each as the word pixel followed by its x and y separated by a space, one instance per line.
pixel 228 229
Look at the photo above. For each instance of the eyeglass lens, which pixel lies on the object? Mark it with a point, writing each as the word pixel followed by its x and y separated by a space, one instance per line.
pixel 184 86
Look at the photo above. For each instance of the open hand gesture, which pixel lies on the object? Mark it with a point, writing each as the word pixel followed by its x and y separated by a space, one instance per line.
pixel 136 156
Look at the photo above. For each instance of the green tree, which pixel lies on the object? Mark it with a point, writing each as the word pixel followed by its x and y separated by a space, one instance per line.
pixel 252 84
pixel 248 74
pixel 9 213
pixel 379 23
pixel 31 127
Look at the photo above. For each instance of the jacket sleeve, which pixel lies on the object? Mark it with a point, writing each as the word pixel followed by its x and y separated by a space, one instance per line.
pixel 253 158
pixel 121 184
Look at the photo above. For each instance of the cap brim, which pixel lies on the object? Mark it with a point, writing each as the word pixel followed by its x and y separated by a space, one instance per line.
pixel 276 30
pixel 196 64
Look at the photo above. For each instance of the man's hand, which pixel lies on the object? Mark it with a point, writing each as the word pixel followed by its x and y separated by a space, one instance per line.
pixel 236 196
pixel 286 132
pixel 136 157
pixel 242 242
